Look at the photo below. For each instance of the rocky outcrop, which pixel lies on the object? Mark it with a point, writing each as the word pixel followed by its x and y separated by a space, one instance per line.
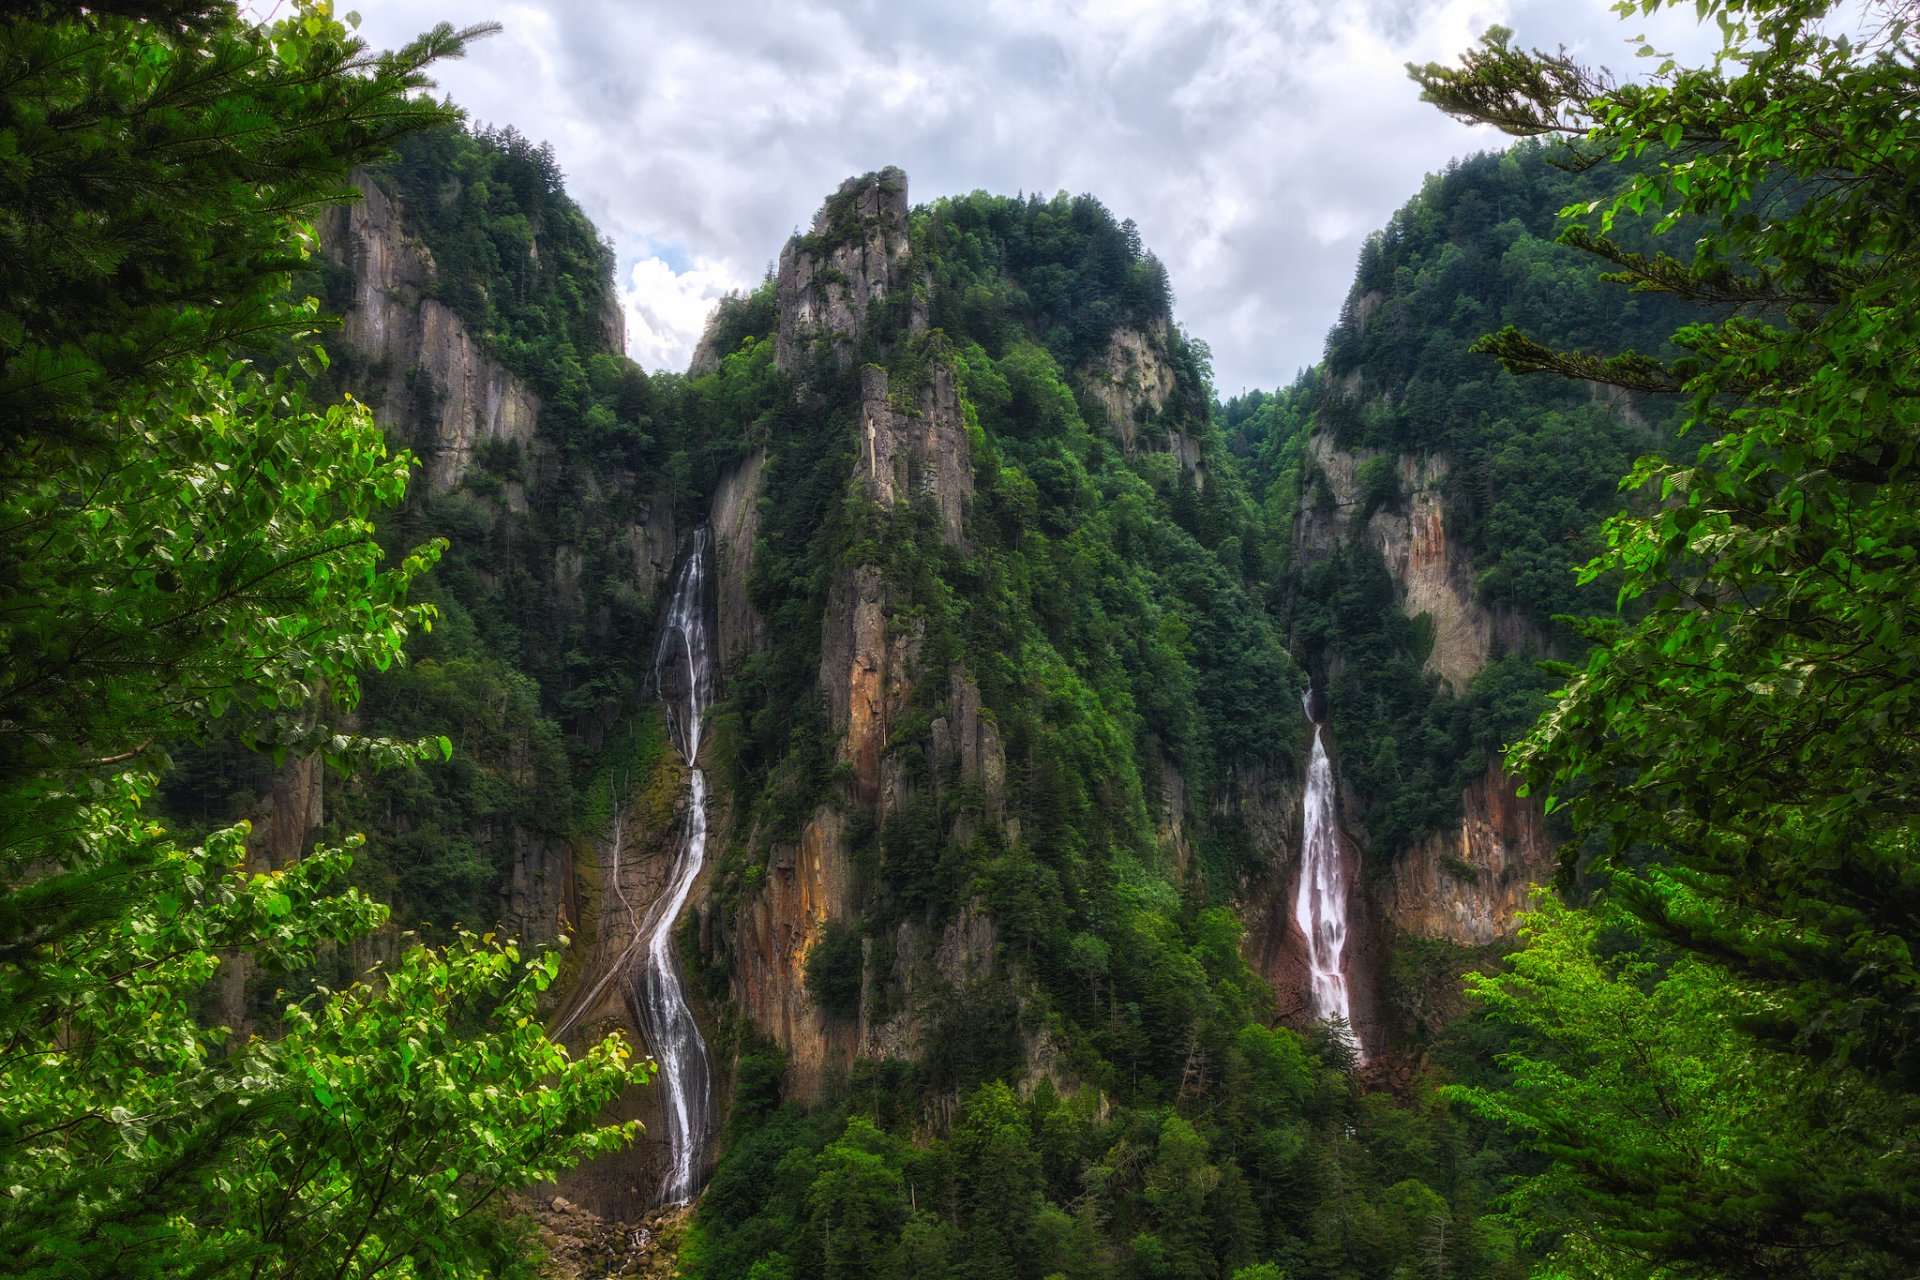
pixel 1271 811
pixel 613 323
pixel 912 448
pixel 965 743
pixel 922 453
pixel 654 543
pixel 706 352
pixel 289 815
pixel 1466 885
pixel 1131 380
pixel 1432 573
pixel 431 376
pixel 866 669
pixel 810 883
pixel 853 258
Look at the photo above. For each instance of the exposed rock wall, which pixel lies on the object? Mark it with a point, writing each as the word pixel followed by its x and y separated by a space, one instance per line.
pixel 1432 573
pixel 1467 885
pixel 853 258
pixel 1463 885
pixel 1131 380
pixel 735 520
pixel 706 352
pixel 810 883
pixel 913 447
pixel 918 454
pixel 438 384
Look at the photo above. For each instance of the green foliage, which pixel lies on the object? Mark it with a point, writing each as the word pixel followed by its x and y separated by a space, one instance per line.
pixel 1061 270
pixel 1670 1132
pixel 1473 248
pixel 213 139
pixel 1113 612
pixel 518 261
pixel 188 547
pixel 835 966
pixel 1740 742
pixel 1050 1185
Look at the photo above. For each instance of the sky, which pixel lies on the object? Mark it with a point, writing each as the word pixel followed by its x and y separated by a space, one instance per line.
pixel 1255 144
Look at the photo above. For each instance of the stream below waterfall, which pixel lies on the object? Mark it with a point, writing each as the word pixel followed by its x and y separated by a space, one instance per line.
pixel 1320 906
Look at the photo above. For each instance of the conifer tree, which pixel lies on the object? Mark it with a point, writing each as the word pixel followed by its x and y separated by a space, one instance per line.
pixel 1753 714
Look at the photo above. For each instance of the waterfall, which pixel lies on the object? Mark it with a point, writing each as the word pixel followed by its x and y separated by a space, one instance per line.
pixel 683 672
pixel 1320 907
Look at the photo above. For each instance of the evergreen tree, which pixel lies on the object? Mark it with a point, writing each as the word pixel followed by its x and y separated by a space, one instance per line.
pixel 1753 715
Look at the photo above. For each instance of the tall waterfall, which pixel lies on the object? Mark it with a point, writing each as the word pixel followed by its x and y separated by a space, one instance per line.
pixel 1320 907
pixel 683 671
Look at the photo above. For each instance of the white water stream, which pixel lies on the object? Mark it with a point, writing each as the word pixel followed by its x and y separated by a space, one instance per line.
pixel 1320 907
pixel 683 671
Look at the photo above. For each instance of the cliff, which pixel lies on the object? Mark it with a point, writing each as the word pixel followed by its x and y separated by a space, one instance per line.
pixel 850 260
pixel 1467 884
pixel 439 390
pixel 1433 575
pixel 911 448
pixel 1464 883
pixel 1132 380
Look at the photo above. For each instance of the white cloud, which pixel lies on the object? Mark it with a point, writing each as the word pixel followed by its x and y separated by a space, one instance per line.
pixel 666 309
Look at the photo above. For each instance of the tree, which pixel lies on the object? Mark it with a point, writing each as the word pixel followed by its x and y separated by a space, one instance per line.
pixel 858 1203
pixel 186 546
pixel 1753 714
pixel 1677 1137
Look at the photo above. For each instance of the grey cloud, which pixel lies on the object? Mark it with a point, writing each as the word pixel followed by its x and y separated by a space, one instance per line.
pixel 1256 144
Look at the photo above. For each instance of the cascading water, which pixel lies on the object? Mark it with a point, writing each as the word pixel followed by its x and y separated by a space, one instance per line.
pixel 1320 907
pixel 683 672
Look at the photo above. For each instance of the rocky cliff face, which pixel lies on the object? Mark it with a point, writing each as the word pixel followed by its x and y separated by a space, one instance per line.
pixel 1131 381
pixel 920 452
pixel 735 520
pixel 439 386
pixel 1432 574
pixel 1463 885
pixel 851 259
pixel 912 448
pixel 1466 885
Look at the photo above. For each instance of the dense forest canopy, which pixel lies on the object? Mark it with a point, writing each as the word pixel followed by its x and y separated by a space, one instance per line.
pixel 1650 370
pixel 1740 741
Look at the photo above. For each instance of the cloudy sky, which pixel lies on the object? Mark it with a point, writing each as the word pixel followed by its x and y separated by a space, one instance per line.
pixel 1255 144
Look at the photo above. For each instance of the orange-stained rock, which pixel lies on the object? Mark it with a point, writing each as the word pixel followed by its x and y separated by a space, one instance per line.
pixel 1466 884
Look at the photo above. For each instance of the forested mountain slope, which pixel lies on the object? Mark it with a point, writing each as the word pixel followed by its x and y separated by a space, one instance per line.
pixel 1439 505
pixel 996 951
